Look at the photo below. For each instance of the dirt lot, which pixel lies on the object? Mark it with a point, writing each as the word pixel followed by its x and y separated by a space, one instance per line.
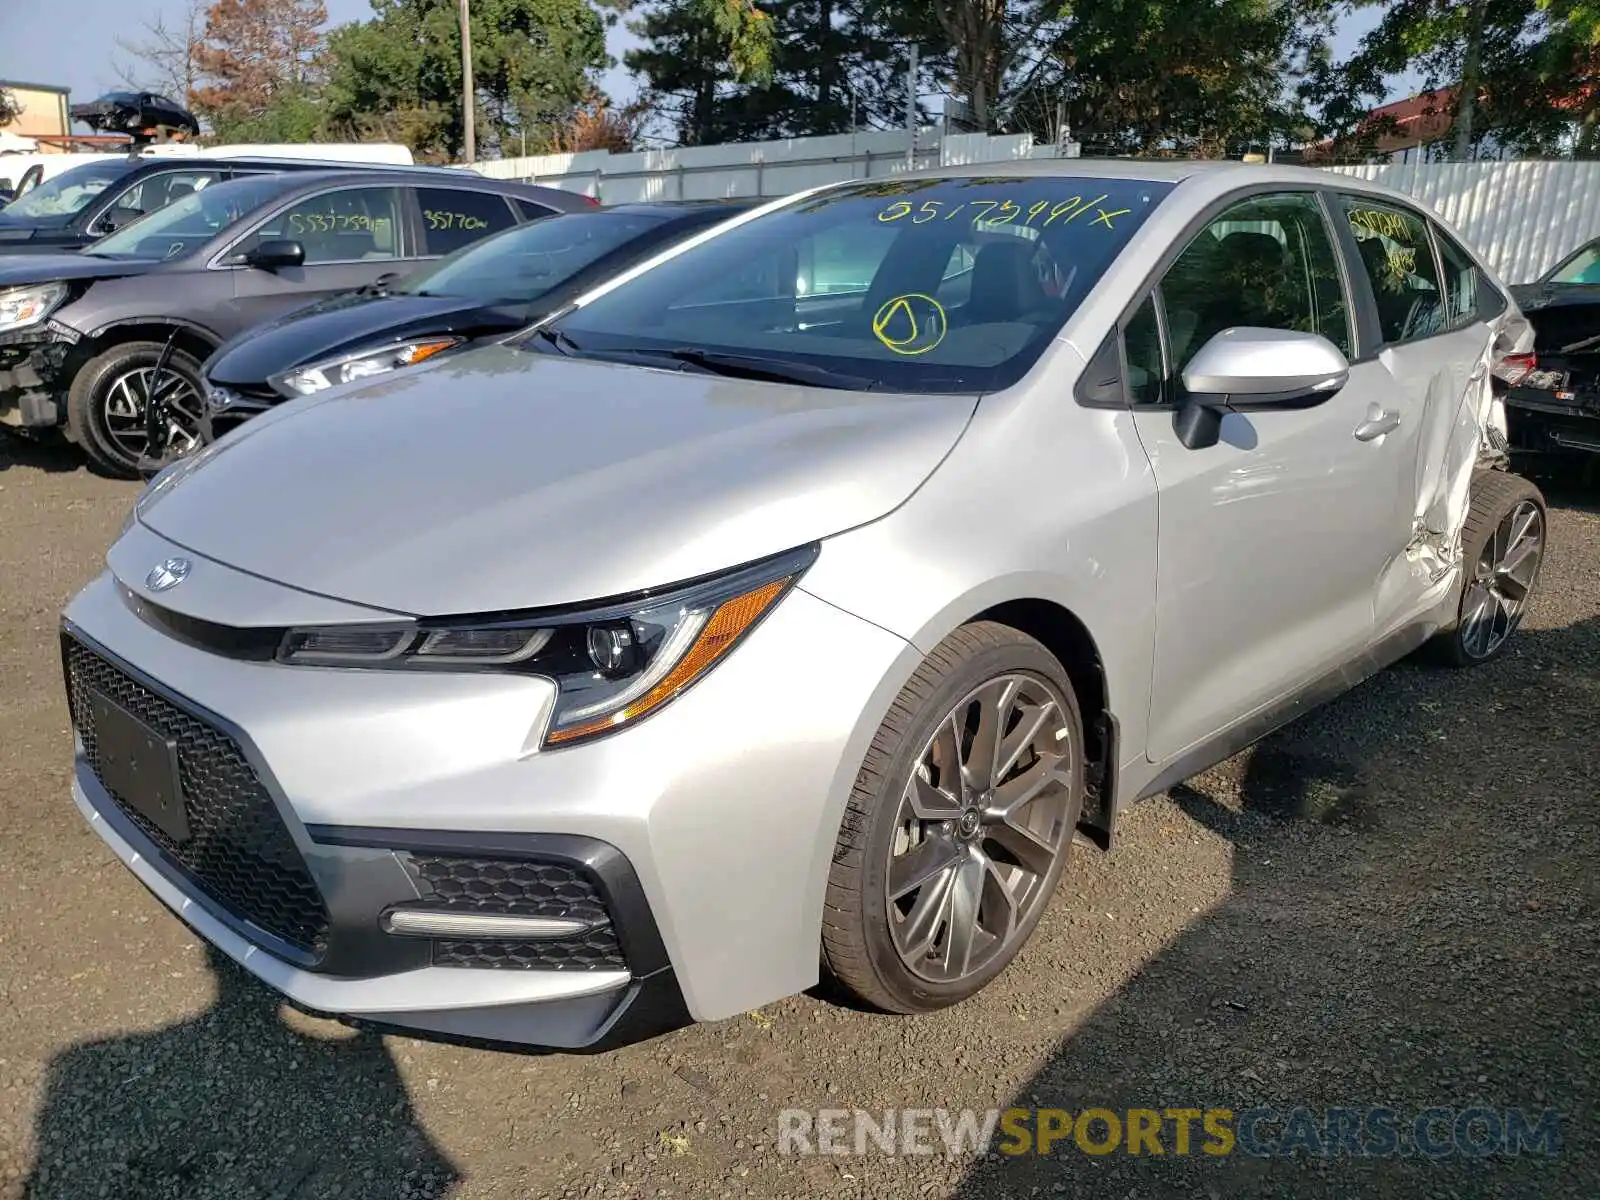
pixel 1393 903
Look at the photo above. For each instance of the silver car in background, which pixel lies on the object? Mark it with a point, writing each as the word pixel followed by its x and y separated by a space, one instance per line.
pixel 790 602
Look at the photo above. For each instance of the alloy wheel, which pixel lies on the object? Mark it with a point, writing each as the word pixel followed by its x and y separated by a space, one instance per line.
pixel 1502 580
pixel 982 822
pixel 127 400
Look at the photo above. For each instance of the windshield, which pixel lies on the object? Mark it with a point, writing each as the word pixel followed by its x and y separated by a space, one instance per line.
pixel 185 225
pixel 58 198
pixel 951 285
pixel 1582 267
pixel 526 262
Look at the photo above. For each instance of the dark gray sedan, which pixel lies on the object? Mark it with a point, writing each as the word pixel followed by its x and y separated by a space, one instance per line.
pixel 88 340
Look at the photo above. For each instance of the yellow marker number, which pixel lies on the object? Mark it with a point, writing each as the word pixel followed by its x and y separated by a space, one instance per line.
pixel 982 211
pixel 911 324
pixel 443 218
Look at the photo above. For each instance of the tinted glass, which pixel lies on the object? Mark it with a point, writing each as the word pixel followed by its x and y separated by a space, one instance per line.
pixel 157 191
pixel 358 224
pixel 187 224
pixel 848 280
pixel 1141 348
pixel 62 195
pixel 1583 267
pixel 1398 260
pixel 531 211
pixel 453 218
pixel 1268 262
pixel 528 261
pixel 1463 282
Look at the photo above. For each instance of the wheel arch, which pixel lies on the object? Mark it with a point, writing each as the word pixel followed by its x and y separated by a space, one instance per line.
pixel 193 339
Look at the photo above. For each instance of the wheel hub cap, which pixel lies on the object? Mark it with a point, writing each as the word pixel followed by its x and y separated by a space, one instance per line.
pixel 1502 580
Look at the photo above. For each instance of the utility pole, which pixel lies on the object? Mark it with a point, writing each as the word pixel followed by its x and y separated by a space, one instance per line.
pixel 467 106
pixel 911 110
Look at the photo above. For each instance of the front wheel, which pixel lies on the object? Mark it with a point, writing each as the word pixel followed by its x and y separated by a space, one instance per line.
pixel 1502 548
pixel 108 406
pixel 960 824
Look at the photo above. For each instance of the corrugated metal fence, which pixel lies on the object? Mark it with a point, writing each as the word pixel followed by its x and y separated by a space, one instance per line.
pixel 1522 216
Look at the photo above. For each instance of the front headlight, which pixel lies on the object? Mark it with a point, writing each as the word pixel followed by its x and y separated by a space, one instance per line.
pixel 613 664
pixel 21 307
pixel 320 376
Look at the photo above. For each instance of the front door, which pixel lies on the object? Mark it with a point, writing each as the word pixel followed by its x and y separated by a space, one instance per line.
pixel 351 236
pixel 1272 542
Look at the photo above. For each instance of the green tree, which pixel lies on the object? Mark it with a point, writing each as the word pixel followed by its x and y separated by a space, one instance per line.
pixel 398 75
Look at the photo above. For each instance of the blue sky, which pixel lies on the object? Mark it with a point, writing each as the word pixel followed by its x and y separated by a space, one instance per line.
pixel 72 42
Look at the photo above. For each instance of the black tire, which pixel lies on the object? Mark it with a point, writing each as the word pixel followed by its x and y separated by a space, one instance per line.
pixel 1496 496
pixel 857 944
pixel 87 417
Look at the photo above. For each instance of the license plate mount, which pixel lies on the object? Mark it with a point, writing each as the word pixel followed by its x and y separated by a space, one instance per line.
pixel 139 765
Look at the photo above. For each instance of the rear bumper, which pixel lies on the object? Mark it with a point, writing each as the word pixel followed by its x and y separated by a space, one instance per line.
pixel 1539 422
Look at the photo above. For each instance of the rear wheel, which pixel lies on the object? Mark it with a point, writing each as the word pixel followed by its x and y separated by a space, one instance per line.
pixel 109 400
pixel 1503 548
pixel 960 824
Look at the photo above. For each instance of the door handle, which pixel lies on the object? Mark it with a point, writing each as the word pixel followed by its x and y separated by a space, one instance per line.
pixel 1379 422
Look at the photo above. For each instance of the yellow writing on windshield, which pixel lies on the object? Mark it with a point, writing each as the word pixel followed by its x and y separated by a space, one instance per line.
pixel 986 212
pixel 334 222
pixel 911 324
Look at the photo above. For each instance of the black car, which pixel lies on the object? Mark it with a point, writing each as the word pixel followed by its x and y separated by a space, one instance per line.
pixel 494 288
pixel 87 339
pixel 1552 396
pixel 82 204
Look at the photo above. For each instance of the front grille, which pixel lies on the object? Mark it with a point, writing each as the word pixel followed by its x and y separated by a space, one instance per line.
pixel 514 887
pixel 239 853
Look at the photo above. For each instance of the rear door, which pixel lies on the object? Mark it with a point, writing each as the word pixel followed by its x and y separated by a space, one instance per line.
pixel 351 236
pixel 1272 542
pixel 1434 342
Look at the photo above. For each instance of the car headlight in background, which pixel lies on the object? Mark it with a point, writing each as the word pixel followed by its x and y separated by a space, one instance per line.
pixel 320 376
pixel 21 307
pixel 613 664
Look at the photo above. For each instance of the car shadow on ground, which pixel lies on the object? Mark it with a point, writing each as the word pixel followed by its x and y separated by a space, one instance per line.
pixel 50 456
pixel 230 1104
pixel 1412 922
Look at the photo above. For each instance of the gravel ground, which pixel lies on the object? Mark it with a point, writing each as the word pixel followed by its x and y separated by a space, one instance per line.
pixel 1392 903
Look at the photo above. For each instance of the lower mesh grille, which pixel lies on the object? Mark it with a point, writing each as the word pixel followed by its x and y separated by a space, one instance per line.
pixel 508 887
pixel 239 853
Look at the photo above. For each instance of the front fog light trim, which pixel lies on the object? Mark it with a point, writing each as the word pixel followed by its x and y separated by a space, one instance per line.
pixel 476 926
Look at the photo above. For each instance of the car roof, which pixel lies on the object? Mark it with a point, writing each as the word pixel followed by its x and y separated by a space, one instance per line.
pixel 324 176
pixel 680 208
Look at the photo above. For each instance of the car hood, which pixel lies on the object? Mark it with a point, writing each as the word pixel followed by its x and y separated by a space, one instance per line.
pixel 45 268
pixel 342 324
pixel 504 479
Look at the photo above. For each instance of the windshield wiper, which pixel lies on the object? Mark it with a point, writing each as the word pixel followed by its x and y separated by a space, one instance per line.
pixel 755 366
pixel 558 340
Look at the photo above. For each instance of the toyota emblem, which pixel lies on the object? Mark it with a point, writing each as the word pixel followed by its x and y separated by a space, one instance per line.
pixel 167 575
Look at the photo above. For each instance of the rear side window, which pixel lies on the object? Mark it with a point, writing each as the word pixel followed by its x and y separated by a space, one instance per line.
pixel 1470 295
pixel 453 218
pixel 1397 259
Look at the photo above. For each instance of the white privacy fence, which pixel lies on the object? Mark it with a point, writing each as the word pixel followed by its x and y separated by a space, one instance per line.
pixel 1521 216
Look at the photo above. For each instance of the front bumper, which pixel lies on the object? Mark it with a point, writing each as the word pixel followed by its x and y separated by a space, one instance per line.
pixel 708 828
pixel 33 382
pixel 227 408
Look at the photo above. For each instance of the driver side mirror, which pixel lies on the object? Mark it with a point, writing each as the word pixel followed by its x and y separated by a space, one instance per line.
pixel 1245 369
pixel 276 253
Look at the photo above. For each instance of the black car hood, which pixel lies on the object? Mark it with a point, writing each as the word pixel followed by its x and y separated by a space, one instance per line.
pixel 44 268
pixel 1531 297
pixel 344 324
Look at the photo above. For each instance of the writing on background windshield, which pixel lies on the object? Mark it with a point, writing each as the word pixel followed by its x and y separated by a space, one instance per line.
pixel 67 193
pixel 929 284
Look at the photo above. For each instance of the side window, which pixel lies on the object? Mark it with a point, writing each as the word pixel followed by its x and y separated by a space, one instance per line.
pixel 1469 295
pixel 843 259
pixel 1266 262
pixel 348 225
pixel 1141 348
pixel 531 211
pixel 155 192
pixel 454 217
pixel 1397 256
